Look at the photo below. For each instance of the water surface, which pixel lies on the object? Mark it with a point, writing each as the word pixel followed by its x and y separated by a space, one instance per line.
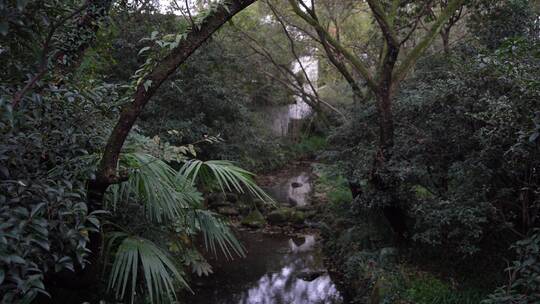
pixel 274 272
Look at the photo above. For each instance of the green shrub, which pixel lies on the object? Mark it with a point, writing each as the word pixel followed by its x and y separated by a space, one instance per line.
pixel 523 285
pixel 334 186
pixel 430 290
pixel 309 145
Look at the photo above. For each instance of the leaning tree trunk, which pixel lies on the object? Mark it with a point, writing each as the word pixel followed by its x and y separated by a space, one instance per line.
pixel 107 173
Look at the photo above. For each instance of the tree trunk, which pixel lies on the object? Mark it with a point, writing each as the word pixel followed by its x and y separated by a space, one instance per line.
pixel 381 177
pixel 386 123
pixel 445 37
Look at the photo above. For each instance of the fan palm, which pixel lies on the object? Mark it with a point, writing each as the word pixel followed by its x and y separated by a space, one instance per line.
pixel 170 198
pixel 227 175
pixel 159 271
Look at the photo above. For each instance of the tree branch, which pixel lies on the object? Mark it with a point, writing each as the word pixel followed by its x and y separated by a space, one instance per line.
pixel 107 169
pixel 356 63
pixel 420 48
pixel 385 22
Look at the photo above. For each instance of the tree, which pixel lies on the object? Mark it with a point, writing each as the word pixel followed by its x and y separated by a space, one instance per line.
pixel 446 29
pixel 107 173
pixel 397 22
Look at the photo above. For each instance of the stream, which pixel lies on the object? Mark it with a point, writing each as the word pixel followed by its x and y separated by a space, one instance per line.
pixel 278 268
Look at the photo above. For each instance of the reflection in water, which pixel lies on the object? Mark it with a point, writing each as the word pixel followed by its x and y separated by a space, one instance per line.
pixel 281 288
pixel 268 275
pixel 306 246
pixel 298 189
pixel 292 190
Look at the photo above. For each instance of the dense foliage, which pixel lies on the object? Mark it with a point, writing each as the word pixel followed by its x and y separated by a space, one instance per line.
pixel 432 164
pixel 465 163
pixel 52 139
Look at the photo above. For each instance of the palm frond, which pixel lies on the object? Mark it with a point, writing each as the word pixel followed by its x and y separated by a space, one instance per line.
pixel 155 184
pixel 135 255
pixel 227 175
pixel 216 233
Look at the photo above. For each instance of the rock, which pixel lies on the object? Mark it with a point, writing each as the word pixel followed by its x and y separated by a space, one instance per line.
pixel 227 210
pixel 310 275
pixel 216 200
pixel 292 202
pixel 311 214
pixel 279 216
pixel 298 217
pixel 259 204
pixel 305 208
pixel 314 225
pixel 296 185
pixel 254 219
pixel 231 197
pixel 299 239
pixel 283 250
pixel 244 209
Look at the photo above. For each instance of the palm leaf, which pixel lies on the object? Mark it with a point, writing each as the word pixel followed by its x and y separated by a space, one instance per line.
pixel 155 184
pixel 227 175
pixel 135 255
pixel 216 233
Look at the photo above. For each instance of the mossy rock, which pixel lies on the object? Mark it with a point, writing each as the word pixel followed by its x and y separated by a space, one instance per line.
pixel 259 204
pixel 228 210
pixel 298 217
pixel 280 216
pixel 244 209
pixel 311 214
pixel 216 200
pixel 254 219
pixel 305 208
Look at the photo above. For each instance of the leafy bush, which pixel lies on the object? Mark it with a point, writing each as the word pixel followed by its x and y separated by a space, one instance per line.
pixel 465 162
pixel 45 220
pixel 430 290
pixel 310 145
pixel 443 222
pixel 463 138
pixel 524 273
pixel 333 185
pixel 493 21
